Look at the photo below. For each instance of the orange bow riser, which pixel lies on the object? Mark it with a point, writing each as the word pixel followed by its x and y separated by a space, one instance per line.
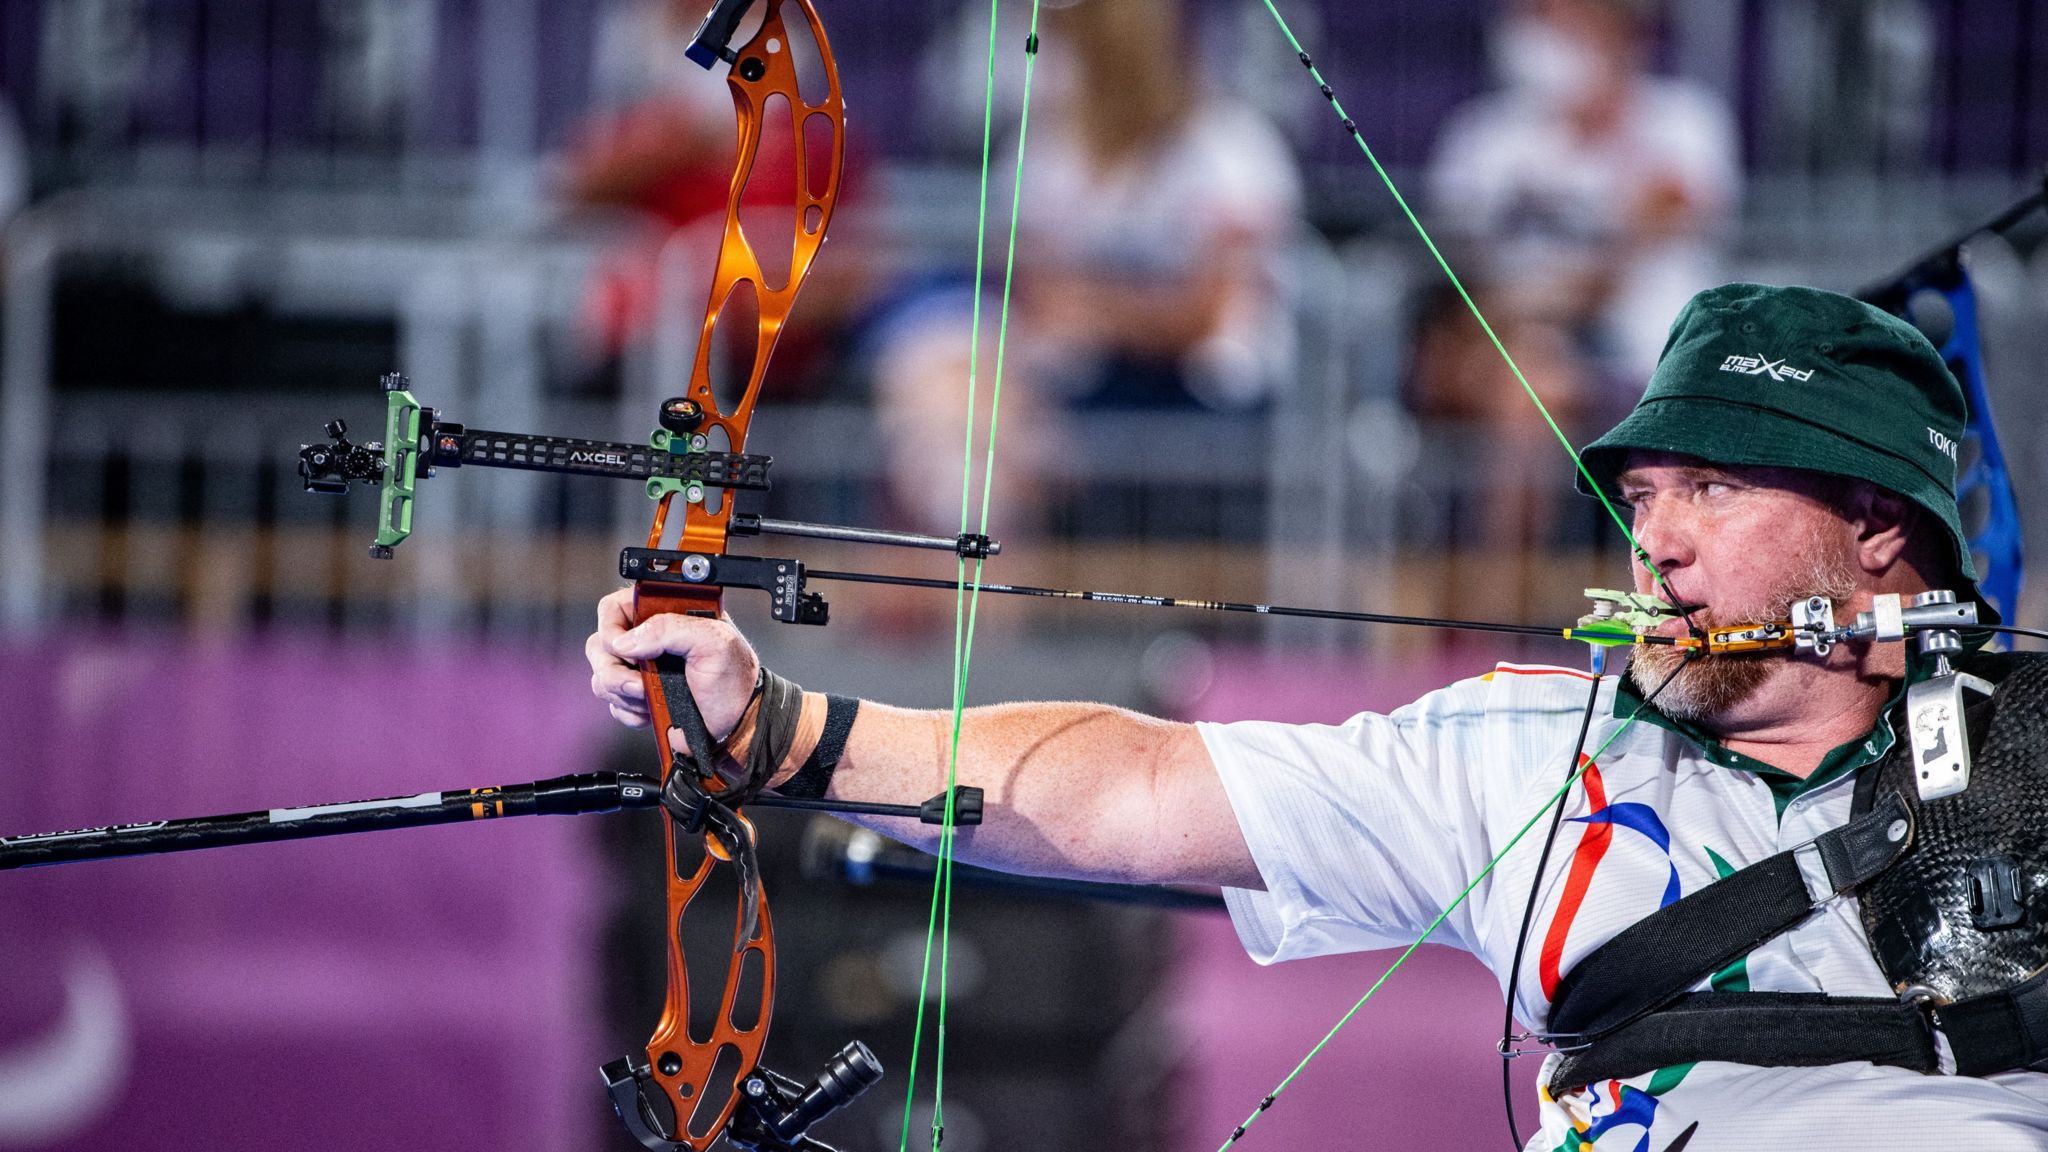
pixel 699 1079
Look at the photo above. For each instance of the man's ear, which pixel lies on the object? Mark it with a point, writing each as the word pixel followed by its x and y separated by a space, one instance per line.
pixel 1885 522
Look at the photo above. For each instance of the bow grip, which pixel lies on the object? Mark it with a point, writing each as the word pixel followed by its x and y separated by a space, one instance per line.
pixel 683 713
pixel 670 704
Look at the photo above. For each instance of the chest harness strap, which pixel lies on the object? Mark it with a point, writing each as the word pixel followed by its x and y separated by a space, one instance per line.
pixel 1625 1010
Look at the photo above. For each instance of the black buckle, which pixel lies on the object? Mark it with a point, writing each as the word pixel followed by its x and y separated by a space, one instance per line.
pixel 1555 1040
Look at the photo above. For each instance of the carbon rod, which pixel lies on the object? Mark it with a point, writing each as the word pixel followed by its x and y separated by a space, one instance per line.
pixel 558 796
pixel 861 857
pixel 582 794
pixel 967 803
pixel 751 525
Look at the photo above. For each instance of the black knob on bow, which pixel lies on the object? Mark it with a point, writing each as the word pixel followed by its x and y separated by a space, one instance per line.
pixel 332 467
pixel 713 41
pixel 774 1112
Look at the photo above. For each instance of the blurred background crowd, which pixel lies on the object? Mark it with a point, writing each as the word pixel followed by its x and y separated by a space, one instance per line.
pixel 1231 371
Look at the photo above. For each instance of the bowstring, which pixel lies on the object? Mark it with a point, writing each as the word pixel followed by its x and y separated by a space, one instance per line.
pixel 967 599
pixel 1635 548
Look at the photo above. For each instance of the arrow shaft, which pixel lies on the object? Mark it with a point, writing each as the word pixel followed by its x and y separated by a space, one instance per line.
pixel 1148 601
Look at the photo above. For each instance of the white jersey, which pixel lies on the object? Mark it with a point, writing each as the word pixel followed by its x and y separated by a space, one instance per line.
pixel 1365 831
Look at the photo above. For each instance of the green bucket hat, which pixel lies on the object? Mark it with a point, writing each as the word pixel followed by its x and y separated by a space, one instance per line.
pixel 1801 378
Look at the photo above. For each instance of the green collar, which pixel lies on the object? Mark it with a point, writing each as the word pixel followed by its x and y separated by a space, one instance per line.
pixel 1840 761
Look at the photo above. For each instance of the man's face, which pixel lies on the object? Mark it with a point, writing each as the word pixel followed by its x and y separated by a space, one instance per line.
pixel 1745 543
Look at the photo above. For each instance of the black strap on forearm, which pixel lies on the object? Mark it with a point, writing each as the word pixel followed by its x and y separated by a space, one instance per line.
pixel 811 780
pixel 775 725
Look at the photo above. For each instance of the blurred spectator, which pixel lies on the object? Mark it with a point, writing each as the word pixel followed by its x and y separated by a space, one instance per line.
pixel 377 59
pixel 662 145
pixel 1588 196
pixel 1152 210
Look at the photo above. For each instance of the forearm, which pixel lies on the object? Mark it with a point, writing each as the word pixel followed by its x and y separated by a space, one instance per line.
pixel 1077 790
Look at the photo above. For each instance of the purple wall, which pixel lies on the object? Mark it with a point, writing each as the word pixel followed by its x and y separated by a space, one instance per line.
pixel 429 988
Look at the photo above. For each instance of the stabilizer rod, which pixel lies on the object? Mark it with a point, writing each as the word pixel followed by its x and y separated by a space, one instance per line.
pixel 577 795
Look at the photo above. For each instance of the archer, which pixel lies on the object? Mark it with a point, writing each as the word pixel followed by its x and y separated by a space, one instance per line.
pixel 1747 822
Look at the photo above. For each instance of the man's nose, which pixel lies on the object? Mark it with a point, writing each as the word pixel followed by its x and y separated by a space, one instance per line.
pixel 1661 533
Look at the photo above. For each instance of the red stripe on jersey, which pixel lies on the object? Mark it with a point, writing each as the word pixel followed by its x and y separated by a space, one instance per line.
pixel 1592 846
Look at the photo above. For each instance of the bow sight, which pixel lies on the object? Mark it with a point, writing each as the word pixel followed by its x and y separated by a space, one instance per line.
pixel 417 444
pixel 677 459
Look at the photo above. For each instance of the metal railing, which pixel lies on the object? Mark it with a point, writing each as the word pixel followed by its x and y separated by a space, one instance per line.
pixel 183 507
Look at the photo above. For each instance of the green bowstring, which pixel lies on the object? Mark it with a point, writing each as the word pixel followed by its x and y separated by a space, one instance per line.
pixel 938 930
pixel 1635 548
pixel 967 600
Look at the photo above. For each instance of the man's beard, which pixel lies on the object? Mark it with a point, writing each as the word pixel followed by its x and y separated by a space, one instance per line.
pixel 1708 686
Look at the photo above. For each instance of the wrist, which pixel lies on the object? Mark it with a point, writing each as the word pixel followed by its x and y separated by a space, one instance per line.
pixel 809 728
pixel 788 739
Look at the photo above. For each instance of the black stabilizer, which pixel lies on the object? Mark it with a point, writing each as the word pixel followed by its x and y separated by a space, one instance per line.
pixel 775 1113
